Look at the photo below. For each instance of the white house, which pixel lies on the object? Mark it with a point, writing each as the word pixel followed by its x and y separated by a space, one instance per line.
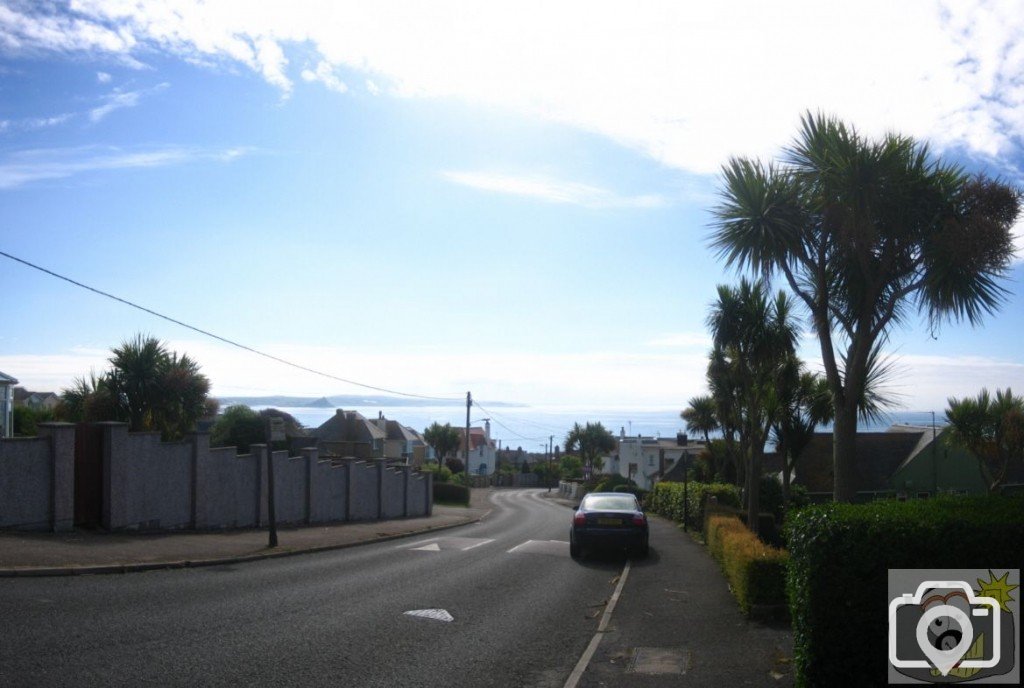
pixel 483 454
pixel 645 459
pixel 7 405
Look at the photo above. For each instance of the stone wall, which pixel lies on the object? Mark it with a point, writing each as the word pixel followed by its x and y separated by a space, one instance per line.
pixel 37 479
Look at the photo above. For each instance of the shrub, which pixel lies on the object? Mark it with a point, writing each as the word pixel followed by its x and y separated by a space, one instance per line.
pixel 441 474
pixel 756 571
pixel 25 420
pixel 450 492
pixel 455 465
pixel 666 499
pixel 839 556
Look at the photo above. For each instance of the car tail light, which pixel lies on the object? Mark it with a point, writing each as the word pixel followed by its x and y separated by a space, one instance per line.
pixel 639 520
pixel 579 519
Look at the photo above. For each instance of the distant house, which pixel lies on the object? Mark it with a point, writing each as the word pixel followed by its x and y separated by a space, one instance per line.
pixel 401 442
pixel 7 384
pixel 36 401
pixel 483 453
pixel 646 460
pixel 904 461
pixel 349 433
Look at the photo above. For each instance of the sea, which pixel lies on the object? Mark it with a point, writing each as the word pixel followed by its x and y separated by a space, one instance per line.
pixel 531 427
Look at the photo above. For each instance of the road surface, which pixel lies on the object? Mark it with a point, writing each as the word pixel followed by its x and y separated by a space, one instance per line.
pixel 500 603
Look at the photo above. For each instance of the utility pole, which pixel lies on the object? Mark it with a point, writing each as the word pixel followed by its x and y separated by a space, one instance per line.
pixel 469 404
pixel 935 462
pixel 551 449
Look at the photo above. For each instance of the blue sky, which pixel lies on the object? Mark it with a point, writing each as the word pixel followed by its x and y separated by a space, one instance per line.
pixel 434 199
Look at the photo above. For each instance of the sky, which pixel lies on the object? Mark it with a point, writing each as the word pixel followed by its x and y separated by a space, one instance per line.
pixel 508 198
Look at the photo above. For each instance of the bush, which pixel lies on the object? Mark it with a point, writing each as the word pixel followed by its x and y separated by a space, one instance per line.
pixel 25 420
pixel 450 492
pixel 839 556
pixel 756 571
pixel 441 474
pixel 667 499
pixel 610 482
pixel 455 465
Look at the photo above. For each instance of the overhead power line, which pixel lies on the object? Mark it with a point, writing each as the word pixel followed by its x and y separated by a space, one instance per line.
pixel 507 429
pixel 224 339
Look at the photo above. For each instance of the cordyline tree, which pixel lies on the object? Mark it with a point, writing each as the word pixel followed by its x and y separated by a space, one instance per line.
pixel 864 232
pixel 443 438
pixel 589 442
pixel 754 339
pixel 148 386
pixel 993 429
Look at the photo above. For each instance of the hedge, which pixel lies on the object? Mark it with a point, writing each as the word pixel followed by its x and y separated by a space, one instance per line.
pixel 450 492
pixel 666 499
pixel 839 557
pixel 756 572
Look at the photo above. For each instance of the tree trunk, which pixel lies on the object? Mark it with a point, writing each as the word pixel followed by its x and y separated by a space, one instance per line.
pixel 844 452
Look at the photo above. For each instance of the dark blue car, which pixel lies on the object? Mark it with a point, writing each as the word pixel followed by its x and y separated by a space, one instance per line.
pixel 610 520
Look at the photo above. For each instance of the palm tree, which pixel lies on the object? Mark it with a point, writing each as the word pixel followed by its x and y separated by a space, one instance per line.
pixel 443 438
pixel 863 232
pixel 701 418
pixel 754 337
pixel 804 403
pixel 992 429
pixel 589 442
pixel 137 377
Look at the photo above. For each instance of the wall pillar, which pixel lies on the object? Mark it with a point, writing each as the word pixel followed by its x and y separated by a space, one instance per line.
pixel 62 474
pixel 310 455
pixel 428 483
pixel 381 465
pixel 115 475
pixel 261 452
pixel 406 477
pixel 200 479
pixel 351 488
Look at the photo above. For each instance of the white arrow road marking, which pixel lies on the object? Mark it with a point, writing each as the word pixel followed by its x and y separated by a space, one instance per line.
pixel 435 614
pixel 432 547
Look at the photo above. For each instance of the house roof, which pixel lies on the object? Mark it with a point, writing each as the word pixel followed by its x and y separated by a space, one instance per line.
pixel 348 426
pixel 879 454
pixel 6 379
pixel 477 438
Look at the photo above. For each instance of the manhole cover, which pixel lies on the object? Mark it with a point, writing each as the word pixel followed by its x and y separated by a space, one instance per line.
pixel 659 660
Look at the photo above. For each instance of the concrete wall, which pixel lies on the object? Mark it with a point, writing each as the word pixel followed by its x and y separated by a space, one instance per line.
pixel 37 480
pixel 153 485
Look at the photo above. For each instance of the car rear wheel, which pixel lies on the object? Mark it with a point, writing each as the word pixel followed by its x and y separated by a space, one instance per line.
pixel 575 551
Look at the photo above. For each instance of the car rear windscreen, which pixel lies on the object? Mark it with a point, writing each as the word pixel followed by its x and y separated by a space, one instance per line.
pixel 610 503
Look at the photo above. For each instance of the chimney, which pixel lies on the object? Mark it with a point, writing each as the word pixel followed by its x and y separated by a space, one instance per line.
pixel 487 430
pixel 681 439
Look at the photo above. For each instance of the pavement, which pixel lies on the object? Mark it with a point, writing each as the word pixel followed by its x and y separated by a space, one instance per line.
pixel 84 552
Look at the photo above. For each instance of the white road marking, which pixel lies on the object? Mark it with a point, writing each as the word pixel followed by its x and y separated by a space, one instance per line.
pixel 540 546
pixel 588 654
pixel 435 614
pixel 415 544
pixel 432 547
pixel 482 542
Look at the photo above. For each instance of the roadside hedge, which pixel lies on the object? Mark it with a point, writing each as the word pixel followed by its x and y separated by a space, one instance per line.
pixel 450 492
pixel 756 572
pixel 666 499
pixel 839 557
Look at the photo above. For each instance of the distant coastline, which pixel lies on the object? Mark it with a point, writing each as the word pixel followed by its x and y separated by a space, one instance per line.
pixel 352 400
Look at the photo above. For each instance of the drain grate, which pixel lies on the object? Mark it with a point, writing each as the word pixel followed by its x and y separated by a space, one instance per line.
pixel 659 660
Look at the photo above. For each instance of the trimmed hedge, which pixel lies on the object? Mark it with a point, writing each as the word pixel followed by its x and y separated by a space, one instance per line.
pixel 450 492
pixel 838 583
pixel 756 572
pixel 666 499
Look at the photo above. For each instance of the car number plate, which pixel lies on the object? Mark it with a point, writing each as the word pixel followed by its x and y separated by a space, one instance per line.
pixel 609 522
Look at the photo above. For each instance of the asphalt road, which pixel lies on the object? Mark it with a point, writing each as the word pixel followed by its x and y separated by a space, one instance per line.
pixel 522 612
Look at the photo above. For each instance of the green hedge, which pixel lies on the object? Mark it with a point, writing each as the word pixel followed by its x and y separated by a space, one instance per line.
pixel 450 492
pixel 839 557
pixel 666 499
pixel 756 572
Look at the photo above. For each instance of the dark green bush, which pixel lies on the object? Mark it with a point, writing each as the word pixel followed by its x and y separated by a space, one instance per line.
pixel 666 499
pixel 26 419
pixel 609 483
pixel 839 557
pixel 450 492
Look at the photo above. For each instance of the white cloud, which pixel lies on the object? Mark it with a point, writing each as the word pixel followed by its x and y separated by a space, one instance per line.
pixel 686 83
pixel 552 190
pixel 122 99
pixel 24 167
pixel 103 77
pixel 1018 240
pixel 324 73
